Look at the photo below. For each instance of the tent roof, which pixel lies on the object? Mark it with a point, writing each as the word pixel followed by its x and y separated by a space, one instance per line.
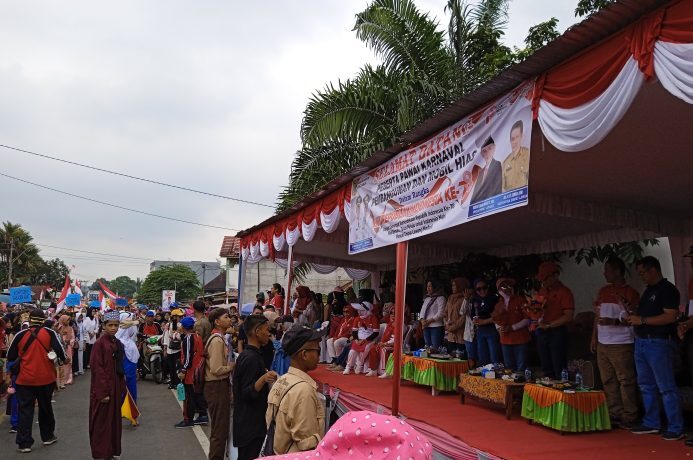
pixel 633 184
pixel 572 42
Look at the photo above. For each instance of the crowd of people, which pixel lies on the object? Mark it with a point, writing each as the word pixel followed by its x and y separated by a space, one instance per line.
pixel 246 372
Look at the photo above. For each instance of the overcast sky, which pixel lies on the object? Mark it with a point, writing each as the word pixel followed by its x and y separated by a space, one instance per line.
pixel 203 94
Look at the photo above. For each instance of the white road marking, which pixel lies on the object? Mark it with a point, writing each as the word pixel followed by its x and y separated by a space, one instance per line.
pixel 199 434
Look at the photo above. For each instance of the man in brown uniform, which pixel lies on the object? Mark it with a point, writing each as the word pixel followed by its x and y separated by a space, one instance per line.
pixel 516 164
pixel 294 402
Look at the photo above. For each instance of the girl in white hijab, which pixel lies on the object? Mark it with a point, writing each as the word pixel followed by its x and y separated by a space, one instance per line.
pixel 127 334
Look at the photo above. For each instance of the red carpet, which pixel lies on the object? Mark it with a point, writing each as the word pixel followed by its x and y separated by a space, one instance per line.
pixel 486 429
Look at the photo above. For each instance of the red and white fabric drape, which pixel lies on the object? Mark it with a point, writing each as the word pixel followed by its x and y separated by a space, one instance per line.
pixel 325 214
pixel 580 101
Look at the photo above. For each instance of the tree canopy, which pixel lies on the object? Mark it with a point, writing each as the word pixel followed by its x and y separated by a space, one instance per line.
pixel 178 277
pixel 28 267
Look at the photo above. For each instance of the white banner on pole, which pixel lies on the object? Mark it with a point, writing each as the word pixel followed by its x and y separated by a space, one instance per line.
pixel 475 168
pixel 168 297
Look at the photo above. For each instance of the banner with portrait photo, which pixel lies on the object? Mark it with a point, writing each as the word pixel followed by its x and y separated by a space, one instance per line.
pixel 475 168
pixel 168 297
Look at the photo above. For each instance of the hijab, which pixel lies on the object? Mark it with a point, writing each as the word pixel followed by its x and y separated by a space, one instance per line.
pixel 127 334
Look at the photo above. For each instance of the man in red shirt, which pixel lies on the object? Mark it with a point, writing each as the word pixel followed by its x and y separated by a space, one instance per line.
pixel 559 307
pixel 36 378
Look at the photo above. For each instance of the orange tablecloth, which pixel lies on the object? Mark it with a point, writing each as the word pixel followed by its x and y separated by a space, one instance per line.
pixel 584 401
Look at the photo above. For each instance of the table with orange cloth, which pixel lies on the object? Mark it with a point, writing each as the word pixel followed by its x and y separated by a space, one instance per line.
pixel 495 391
pixel 439 374
pixel 566 412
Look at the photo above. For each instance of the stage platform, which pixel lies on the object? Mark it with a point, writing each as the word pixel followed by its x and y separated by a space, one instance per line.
pixel 476 430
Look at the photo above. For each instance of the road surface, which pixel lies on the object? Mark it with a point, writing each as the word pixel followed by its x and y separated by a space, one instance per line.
pixel 154 439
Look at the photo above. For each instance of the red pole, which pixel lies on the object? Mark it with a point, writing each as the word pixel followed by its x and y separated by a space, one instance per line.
pixel 400 291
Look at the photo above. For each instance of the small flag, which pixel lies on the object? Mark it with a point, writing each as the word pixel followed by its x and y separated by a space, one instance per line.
pixel 129 409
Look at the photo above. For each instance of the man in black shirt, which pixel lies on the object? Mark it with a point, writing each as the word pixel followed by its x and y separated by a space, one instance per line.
pixel 266 350
pixel 655 330
pixel 251 381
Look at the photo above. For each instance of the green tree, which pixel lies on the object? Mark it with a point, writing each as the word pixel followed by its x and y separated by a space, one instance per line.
pixel 586 7
pixel 124 286
pixel 95 286
pixel 178 277
pixel 51 272
pixel 26 261
pixel 421 72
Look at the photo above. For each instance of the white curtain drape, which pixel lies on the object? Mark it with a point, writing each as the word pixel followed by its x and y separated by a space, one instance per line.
pixel 580 128
pixel 323 269
pixel 329 222
pixel 356 274
pixel 278 242
pixel 673 64
pixel 308 230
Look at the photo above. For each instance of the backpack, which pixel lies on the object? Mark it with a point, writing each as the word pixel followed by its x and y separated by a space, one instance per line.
pixel 268 445
pixel 199 370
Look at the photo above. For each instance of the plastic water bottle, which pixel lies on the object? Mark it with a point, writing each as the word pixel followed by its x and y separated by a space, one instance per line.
pixel 528 375
pixel 564 375
pixel 180 392
pixel 578 380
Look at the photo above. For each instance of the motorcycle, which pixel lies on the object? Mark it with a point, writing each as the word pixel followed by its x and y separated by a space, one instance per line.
pixel 152 359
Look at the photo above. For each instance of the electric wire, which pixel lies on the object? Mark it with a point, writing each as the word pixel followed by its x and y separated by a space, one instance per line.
pixel 117 206
pixel 129 176
pixel 92 252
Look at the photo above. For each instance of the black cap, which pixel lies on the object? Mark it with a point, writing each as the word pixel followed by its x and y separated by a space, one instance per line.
pixel 298 336
pixel 488 142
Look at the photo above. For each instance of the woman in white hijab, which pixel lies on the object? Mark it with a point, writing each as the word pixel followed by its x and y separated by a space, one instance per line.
pixel 127 334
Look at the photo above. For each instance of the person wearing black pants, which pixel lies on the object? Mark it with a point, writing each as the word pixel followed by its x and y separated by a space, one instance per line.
pixel 28 396
pixel 172 360
pixel 87 354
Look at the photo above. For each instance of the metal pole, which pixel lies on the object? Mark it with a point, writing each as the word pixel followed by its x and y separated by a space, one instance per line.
pixel 204 269
pixel 400 291
pixel 288 284
pixel 9 268
pixel 241 281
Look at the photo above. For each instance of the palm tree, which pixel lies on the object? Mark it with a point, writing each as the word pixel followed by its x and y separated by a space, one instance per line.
pixel 420 74
pixel 26 260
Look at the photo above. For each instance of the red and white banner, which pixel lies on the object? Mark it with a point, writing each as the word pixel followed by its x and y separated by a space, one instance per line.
pixel 475 168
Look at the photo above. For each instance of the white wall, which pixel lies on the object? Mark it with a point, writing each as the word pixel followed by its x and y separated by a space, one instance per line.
pixel 270 273
pixel 585 281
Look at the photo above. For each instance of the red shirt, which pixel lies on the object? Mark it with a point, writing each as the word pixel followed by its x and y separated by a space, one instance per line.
pixel 369 322
pixel 513 314
pixel 558 299
pixel 35 367
pixel 191 356
pixel 277 301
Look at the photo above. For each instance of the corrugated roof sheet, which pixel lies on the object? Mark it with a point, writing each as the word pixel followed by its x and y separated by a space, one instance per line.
pixel 574 41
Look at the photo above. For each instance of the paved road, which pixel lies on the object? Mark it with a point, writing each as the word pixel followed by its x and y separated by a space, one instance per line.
pixel 154 439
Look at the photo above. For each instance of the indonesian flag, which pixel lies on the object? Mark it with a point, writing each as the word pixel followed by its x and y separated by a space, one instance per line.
pixel 78 288
pixel 63 295
pixel 102 299
pixel 107 291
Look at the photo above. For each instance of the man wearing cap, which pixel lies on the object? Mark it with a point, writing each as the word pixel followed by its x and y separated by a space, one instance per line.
pixel 36 378
pixel 107 390
pixel 559 307
pixel 191 357
pixel 294 402
pixel 488 182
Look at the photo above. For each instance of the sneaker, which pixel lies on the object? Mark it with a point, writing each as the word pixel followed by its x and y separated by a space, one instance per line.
pixel 671 436
pixel 201 420
pixel 171 387
pixel 24 450
pixel 642 429
pixel 383 376
pixel 13 430
pixel 347 371
pixel 337 369
pixel 50 441
pixel 689 442
pixel 184 424
pixel 371 374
